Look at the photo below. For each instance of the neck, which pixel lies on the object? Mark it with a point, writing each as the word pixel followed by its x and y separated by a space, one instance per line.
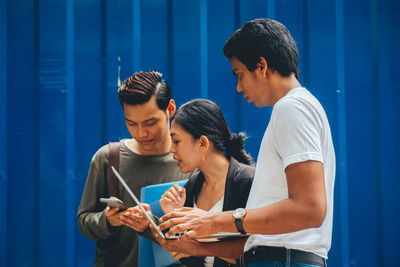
pixel 282 86
pixel 162 148
pixel 215 169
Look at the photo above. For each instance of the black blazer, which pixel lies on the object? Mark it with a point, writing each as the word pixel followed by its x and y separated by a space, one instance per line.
pixel 237 188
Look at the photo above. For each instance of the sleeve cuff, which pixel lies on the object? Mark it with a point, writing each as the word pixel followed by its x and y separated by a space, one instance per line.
pixel 302 157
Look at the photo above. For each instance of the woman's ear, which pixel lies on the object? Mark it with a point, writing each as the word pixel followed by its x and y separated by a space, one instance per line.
pixel 204 143
pixel 171 108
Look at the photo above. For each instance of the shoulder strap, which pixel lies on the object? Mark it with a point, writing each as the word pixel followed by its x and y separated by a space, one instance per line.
pixel 113 188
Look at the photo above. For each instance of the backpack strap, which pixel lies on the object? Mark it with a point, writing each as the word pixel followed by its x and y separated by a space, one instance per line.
pixel 113 188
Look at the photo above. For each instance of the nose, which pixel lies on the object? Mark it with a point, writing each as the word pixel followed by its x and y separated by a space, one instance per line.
pixel 239 88
pixel 142 131
pixel 172 149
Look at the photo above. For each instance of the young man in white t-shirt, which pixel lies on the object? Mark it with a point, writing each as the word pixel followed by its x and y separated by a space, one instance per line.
pixel 290 207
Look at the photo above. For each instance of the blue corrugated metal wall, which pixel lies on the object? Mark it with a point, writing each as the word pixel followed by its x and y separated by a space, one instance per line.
pixel 60 64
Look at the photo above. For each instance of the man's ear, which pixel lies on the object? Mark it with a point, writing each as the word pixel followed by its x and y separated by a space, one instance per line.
pixel 171 108
pixel 263 66
pixel 204 143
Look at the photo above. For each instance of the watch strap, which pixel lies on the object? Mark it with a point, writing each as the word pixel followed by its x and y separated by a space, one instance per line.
pixel 239 226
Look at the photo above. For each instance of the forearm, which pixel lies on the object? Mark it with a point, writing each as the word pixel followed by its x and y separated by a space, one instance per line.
pixel 225 249
pixel 282 217
pixel 91 217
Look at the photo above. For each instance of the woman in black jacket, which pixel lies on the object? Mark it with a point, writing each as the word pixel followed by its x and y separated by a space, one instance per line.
pixel 201 140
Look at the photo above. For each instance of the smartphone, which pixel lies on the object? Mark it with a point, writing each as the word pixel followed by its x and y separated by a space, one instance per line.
pixel 114 203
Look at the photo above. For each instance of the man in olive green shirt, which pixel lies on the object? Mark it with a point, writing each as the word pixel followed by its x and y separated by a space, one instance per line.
pixel 144 160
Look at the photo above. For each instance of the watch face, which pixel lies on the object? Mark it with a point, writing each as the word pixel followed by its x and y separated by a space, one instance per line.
pixel 238 213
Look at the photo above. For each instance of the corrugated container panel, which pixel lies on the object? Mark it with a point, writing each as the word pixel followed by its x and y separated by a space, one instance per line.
pixel 61 63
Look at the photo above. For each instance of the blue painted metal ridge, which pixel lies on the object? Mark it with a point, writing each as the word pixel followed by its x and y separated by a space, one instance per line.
pixel 137 38
pixel 203 49
pixel 238 97
pixel 305 63
pixel 36 132
pixel 388 248
pixel 3 132
pixel 271 9
pixel 70 149
pixel 342 154
pixel 377 126
pixel 170 45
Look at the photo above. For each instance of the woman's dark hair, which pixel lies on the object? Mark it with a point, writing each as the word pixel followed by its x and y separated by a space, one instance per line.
pixel 141 86
pixel 264 38
pixel 203 117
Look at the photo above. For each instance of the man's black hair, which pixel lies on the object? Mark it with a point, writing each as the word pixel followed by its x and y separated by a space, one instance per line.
pixel 141 86
pixel 264 38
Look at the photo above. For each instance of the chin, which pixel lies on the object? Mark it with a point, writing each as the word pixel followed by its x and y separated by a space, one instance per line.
pixel 259 105
pixel 185 170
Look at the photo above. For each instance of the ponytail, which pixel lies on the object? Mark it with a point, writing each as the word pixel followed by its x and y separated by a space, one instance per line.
pixel 203 117
pixel 235 148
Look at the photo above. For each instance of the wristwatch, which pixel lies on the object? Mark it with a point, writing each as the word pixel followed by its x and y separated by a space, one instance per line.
pixel 238 216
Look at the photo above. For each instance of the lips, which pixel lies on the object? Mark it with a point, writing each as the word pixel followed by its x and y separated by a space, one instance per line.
pixel 146 142
pixel 178 162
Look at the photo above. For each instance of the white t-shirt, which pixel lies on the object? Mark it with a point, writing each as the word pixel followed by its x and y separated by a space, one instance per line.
pixel 298 131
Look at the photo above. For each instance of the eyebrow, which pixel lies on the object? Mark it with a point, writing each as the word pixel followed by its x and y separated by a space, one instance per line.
pixel 172 134
pixel 143 121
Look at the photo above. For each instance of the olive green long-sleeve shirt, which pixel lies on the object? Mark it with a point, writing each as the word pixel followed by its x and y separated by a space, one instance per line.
pixel 117 246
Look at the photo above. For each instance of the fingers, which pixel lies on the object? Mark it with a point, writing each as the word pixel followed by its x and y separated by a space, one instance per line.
pixel 173 254
pixel 175 214
pixel 136 210
pixel 179 189
pixel 177 229
pixel 113 216
pixel 169 195
pixel 177 256
pixel 146 207
pixel 134 221
pixel 174 193
pixel 183 193
pixel 185 209
pixel 170 223
pixel 133 216
pixel 189 235
pixel 111 211
pixel 157 236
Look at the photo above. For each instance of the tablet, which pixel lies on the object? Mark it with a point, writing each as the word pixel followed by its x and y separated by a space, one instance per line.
pixel 211 238
pixel 141 207
pixel 223 236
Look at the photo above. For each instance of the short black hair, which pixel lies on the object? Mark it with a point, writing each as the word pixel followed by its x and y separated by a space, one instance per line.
pixel 265 38
pixel 203 117
pixel 141 86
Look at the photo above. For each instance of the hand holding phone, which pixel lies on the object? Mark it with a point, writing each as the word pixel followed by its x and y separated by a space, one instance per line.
pixel 114 203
